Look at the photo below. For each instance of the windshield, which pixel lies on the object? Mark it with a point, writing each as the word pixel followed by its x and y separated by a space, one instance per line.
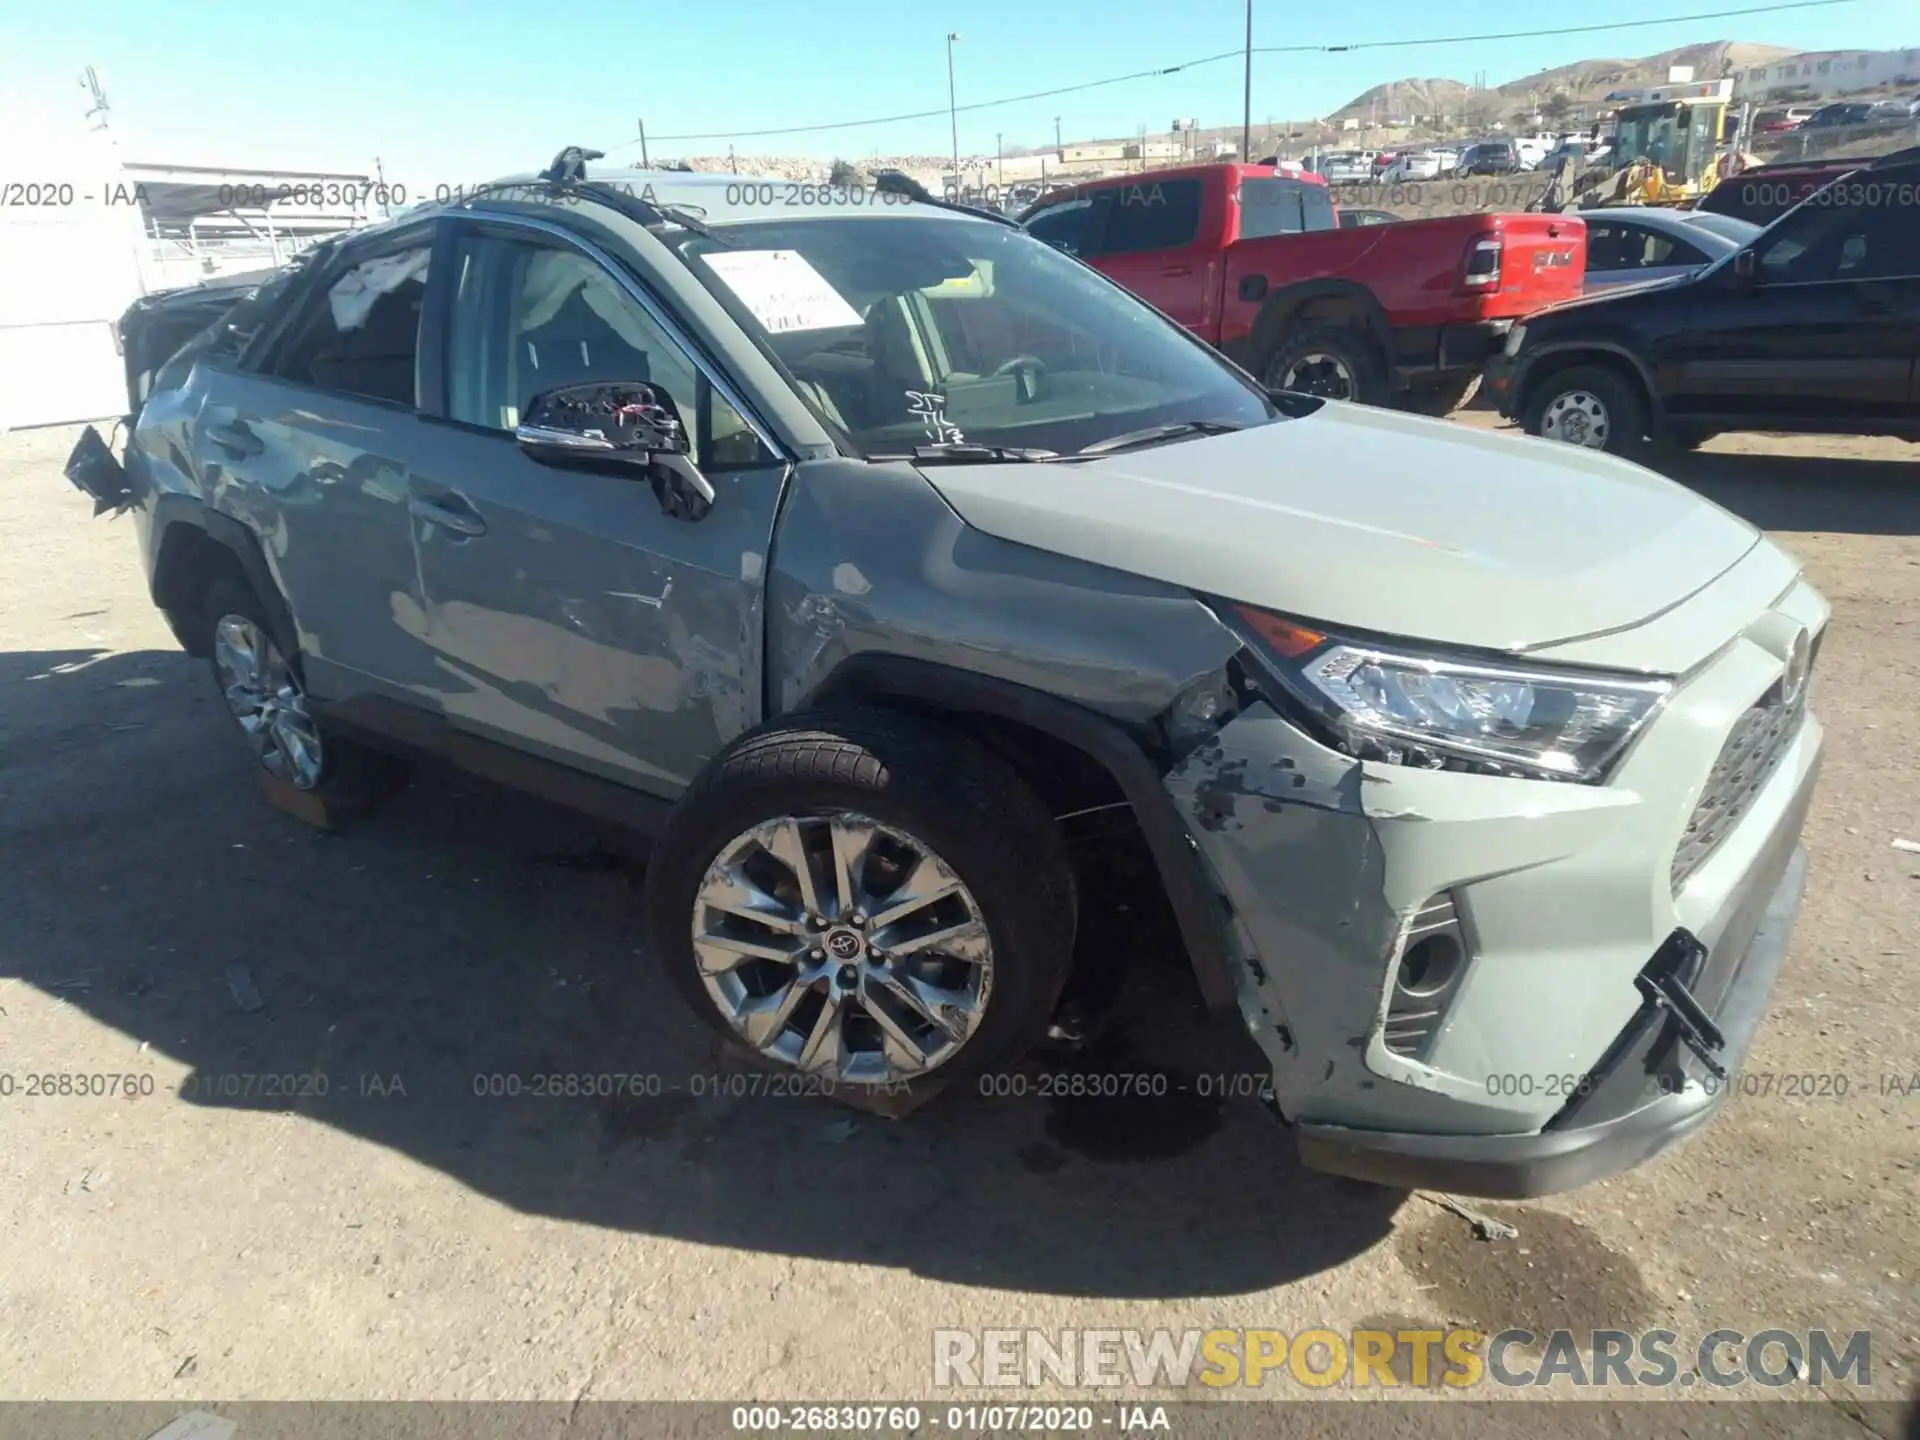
pixel 918 330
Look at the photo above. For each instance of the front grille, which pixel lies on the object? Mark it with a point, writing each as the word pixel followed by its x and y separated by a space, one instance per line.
pixel 1747 761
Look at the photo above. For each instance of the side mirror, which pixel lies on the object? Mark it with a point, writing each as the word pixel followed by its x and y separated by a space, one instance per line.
pixel 1744 270
pixel 624 428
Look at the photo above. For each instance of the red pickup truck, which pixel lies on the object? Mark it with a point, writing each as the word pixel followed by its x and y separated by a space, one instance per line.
pixel 1254 262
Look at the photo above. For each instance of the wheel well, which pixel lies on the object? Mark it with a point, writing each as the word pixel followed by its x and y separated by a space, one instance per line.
pixel 1616 365
pixel 189 561
pixel 1125 906
pixel 1327 307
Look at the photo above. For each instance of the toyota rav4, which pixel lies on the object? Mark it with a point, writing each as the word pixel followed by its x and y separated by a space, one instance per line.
pixel 853 541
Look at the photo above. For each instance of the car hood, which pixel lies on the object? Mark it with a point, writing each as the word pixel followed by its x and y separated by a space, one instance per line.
pixel 1378 521
pixel 1610 294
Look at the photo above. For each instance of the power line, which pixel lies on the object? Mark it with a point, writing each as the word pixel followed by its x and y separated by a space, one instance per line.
pixel 1235 54
pixel 1563 29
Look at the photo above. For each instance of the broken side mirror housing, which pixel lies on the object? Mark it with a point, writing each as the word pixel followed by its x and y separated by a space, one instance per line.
pixel 629 427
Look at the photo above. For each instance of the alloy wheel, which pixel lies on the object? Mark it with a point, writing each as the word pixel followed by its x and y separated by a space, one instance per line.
pixel 842 947
pixel 1327 376
pixel 267 701
pixel 1578 417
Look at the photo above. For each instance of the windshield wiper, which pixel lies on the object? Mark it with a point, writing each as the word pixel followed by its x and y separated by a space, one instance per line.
pixel 1172 431
pixel 966 452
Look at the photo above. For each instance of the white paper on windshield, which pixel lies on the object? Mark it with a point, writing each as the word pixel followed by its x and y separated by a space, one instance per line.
pixel 783 292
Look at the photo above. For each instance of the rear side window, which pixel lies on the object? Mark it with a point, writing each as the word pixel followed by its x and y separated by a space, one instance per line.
pixel 1283 207
pixel 1151 215
pixel 362 336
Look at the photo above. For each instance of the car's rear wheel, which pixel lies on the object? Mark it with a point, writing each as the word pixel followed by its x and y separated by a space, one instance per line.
pixel 1588 407
pixel 264 692
pixel 867 899
pixel 1334 362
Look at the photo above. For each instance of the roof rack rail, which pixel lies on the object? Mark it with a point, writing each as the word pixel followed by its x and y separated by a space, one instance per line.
pixel 896 182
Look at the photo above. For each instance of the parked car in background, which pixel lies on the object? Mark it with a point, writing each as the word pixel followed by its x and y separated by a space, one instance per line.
pixel 1419 165
pixel 1634 244
pixel 1345 167
pixel 1489 157
pixel 1814 327
pixel 1782 122
pixel 1584 153
pixel 925 579
pixel 1844 112
pixel 1258 265
pixel 1532 149
pixel 1354 219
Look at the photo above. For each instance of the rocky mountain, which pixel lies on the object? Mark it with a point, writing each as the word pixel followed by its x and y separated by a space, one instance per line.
pixel 1584 82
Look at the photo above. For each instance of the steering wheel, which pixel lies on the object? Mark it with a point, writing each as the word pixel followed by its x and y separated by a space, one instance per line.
pixel 1029 369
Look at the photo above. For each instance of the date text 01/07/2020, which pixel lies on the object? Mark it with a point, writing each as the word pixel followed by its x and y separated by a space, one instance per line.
pixel 885 1419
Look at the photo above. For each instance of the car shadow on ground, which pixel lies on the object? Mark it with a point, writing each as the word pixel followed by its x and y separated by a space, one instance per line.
pixel 1833 494
pixel 406 972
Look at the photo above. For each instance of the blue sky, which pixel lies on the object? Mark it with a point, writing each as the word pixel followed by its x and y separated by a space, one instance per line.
pixel 459 90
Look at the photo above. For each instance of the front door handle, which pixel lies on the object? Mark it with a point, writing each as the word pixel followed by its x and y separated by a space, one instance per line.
pixel 1177 270
pixel 449 512
pixel 236 439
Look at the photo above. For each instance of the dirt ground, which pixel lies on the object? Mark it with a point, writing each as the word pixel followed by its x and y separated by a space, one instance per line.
pixel 403 1236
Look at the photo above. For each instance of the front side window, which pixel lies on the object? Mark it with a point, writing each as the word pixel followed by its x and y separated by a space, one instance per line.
pixel 362 336
pixel 1857 229
pixel 923 329
pixel 528 316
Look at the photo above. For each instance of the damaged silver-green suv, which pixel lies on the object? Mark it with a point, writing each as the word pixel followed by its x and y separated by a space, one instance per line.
pixel 852 540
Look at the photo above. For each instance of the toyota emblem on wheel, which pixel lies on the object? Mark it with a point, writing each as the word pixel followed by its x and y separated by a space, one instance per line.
pixel 843 945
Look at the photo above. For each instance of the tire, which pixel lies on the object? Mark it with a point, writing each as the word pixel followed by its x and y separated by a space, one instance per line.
pixel 292 746
pixel 1438 400
pixel 1357 367
pixel 1589 406
pixel 921 786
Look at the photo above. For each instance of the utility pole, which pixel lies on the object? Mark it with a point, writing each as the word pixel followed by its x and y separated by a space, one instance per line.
pixel 645 164
pixel 999 158
pixel 1057 143
pixel 732 164
pixel 380 181
pixel 1246 113
pixel 953 112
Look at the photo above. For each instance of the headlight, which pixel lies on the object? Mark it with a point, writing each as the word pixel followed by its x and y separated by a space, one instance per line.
pixel 1437 712
pixel 1516 337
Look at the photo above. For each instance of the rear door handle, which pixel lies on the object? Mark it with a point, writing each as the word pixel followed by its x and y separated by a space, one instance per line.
pixel 449 512
pixel 236 439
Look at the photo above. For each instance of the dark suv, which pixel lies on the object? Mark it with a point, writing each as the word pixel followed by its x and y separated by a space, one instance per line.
pixel 1813 327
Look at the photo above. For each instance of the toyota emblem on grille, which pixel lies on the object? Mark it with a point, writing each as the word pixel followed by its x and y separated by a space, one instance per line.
pixel 1799 661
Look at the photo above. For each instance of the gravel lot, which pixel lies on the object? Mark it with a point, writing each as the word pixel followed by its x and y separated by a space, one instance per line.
pixel 402 1237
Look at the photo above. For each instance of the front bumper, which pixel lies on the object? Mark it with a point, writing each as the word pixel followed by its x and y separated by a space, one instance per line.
pixel 1648 1073
pixel 1538 1065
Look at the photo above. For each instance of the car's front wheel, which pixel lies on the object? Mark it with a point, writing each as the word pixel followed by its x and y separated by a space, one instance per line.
pixel 1590 407
pixel 865 898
